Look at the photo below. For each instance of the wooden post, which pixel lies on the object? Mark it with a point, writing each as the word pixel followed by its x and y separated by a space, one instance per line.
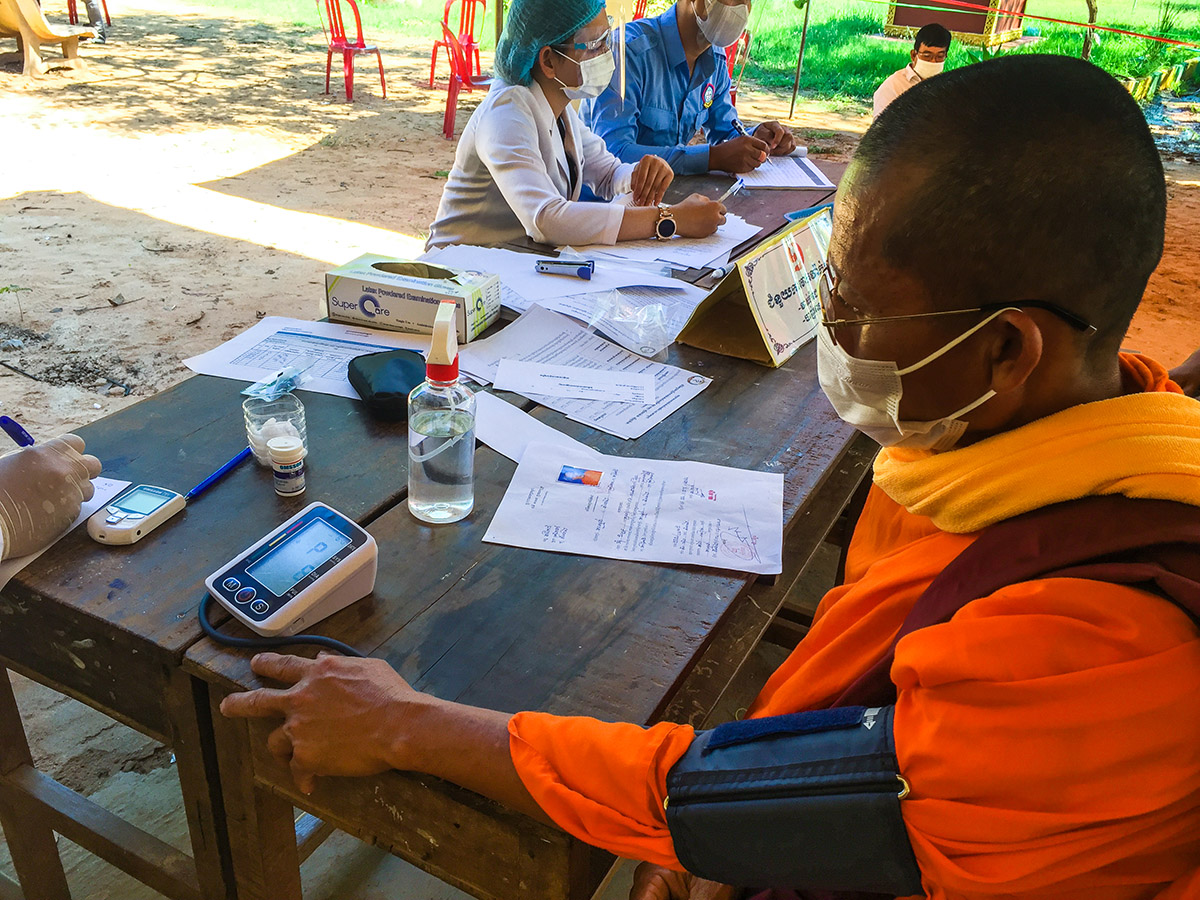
pixel 800 59
pixel 499 20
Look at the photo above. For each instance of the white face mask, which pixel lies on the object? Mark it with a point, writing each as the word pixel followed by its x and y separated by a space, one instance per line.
pixel 724 24
pixel 866 393
pixel 596 72
pixel 927 69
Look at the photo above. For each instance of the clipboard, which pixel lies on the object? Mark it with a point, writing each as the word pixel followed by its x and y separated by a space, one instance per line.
pixel 768 307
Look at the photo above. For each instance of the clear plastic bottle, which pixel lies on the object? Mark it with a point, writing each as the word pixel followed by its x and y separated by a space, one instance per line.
pixel 441 432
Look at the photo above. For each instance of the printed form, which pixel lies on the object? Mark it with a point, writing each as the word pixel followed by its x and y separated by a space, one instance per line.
pixel 322 349
pixel 687 513
pixel 541 336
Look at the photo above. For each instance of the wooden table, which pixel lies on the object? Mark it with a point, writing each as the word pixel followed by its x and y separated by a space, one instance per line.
pixel 109 625
pixel 515 629
pixel 116 629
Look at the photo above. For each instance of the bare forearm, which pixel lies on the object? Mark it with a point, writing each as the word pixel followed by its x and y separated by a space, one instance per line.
pixel 467 746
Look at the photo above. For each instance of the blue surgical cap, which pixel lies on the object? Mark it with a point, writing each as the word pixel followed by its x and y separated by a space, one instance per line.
pixel 533 24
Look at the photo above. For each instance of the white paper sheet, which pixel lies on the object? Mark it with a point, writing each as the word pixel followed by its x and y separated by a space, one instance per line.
pixel 687 513
pixel 787 172
pixel 576 382
pixel 276 341
pixel 106 489
pixel 517 273
pixel 509 430
pixel 683 252
pixel 645 320
pixel 547 337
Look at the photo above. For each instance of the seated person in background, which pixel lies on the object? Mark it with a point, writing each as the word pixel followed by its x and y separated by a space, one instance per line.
pixel 926 59
pixel 41 491
pixel 1187 375
pixel 677 83
pixel 525 155
pixel 1043 725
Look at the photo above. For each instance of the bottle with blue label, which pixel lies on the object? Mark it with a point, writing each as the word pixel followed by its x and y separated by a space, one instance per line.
pixel 441 432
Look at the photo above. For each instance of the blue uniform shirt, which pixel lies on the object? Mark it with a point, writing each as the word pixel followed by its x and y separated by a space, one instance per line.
pixel 664 104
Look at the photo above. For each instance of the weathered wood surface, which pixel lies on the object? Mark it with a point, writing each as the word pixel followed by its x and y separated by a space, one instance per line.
pixel 514 629
pixel 103 623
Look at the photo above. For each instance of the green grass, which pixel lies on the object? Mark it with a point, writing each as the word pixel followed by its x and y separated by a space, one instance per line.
pixel 845 56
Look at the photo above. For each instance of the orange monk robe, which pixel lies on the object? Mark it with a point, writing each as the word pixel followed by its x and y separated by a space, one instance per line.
pixel 1049 730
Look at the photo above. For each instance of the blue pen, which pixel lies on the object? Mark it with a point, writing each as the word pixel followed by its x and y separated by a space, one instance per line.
pixel 218 475
pixel 580 268
pixel 14 430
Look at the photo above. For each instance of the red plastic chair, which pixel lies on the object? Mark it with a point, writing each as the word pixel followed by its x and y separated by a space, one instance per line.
pixel 467 38
pixel 639 9
pixel 73 12
pixel 349 49
pixel 460 78
pixel 735 55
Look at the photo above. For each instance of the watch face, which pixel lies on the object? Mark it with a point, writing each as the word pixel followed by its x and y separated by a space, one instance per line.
pixel 666 228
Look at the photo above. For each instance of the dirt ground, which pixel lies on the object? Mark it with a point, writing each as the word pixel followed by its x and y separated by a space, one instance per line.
pixel 196 179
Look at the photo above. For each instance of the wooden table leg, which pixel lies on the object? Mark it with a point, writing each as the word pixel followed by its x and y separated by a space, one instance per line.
pixel 30 839
pixel 196 763
pixel 261 826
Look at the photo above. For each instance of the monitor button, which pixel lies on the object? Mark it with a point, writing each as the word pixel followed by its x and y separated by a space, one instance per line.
pixel 132 517
pixel 245 595
pixel 113 520
pixel 260 606
pixel 231 584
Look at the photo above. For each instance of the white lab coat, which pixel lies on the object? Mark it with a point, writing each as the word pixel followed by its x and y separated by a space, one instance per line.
pixel 510 177
pixel 897 83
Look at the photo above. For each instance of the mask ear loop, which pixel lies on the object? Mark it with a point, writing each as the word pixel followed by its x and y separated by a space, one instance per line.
pixel 954 343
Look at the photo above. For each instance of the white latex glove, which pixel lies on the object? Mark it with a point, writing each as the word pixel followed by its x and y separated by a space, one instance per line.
pixel 41 491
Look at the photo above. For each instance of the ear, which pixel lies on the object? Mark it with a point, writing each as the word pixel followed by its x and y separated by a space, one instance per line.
pixel 545 62
pixel 912 54
pixel 1016 351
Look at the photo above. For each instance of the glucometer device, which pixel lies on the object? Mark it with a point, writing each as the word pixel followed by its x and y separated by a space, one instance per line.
pixel 311 566
pixel 132 515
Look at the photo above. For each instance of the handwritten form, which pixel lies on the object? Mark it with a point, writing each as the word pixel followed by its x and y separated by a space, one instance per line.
pixel 669 511
pixel 787 172
pixel 542 336
pixel 695 252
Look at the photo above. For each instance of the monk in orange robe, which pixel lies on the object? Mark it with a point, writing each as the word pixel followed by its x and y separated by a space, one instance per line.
pixel 992 238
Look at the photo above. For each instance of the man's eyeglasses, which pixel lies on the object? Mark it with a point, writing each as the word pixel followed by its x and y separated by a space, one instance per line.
pixel 604 42
pixel 829 296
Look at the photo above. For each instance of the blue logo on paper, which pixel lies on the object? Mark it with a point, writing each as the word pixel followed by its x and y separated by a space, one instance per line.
pixel 362 306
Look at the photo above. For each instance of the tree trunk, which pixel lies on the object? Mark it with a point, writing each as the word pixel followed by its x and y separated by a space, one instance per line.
pixel 1086 53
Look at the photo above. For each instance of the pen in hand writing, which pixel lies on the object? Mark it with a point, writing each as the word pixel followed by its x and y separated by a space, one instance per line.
pixel 733 189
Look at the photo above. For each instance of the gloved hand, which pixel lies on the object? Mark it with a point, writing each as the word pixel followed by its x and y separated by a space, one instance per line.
pixel 41 491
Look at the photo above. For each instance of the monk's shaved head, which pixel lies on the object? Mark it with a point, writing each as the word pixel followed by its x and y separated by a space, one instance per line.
pixel 1023 178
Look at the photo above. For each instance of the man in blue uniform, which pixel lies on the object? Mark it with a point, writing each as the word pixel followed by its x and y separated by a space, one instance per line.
pixel 677 84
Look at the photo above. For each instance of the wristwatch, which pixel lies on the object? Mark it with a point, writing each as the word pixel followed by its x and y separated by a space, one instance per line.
pixel 665 227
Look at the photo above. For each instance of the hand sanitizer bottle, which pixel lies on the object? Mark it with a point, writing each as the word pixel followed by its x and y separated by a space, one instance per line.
pixel 441 432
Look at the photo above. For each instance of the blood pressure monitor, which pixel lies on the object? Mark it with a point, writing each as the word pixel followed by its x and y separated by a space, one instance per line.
pixel 311 566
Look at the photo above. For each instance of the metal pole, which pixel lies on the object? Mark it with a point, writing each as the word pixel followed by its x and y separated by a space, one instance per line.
pixel 800 59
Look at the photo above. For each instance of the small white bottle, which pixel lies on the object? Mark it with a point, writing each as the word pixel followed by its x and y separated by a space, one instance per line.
pixel 287 460
pixel 441 432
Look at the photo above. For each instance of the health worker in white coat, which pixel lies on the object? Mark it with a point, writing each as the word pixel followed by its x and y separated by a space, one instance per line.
pixel 525 155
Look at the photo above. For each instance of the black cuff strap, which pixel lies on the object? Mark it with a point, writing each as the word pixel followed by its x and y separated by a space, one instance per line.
pixel 808 800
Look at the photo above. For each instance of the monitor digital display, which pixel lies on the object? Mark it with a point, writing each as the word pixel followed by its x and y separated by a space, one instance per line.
pixel 302 553
pixel 141 501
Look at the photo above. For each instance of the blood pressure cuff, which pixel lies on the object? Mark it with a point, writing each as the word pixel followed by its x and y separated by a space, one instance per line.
pixel 384 380
pixel 809 800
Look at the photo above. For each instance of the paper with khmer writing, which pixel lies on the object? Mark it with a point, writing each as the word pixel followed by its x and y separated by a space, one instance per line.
pixel 688 513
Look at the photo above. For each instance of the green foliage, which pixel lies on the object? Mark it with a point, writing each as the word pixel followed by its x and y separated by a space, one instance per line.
pixel 846 56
